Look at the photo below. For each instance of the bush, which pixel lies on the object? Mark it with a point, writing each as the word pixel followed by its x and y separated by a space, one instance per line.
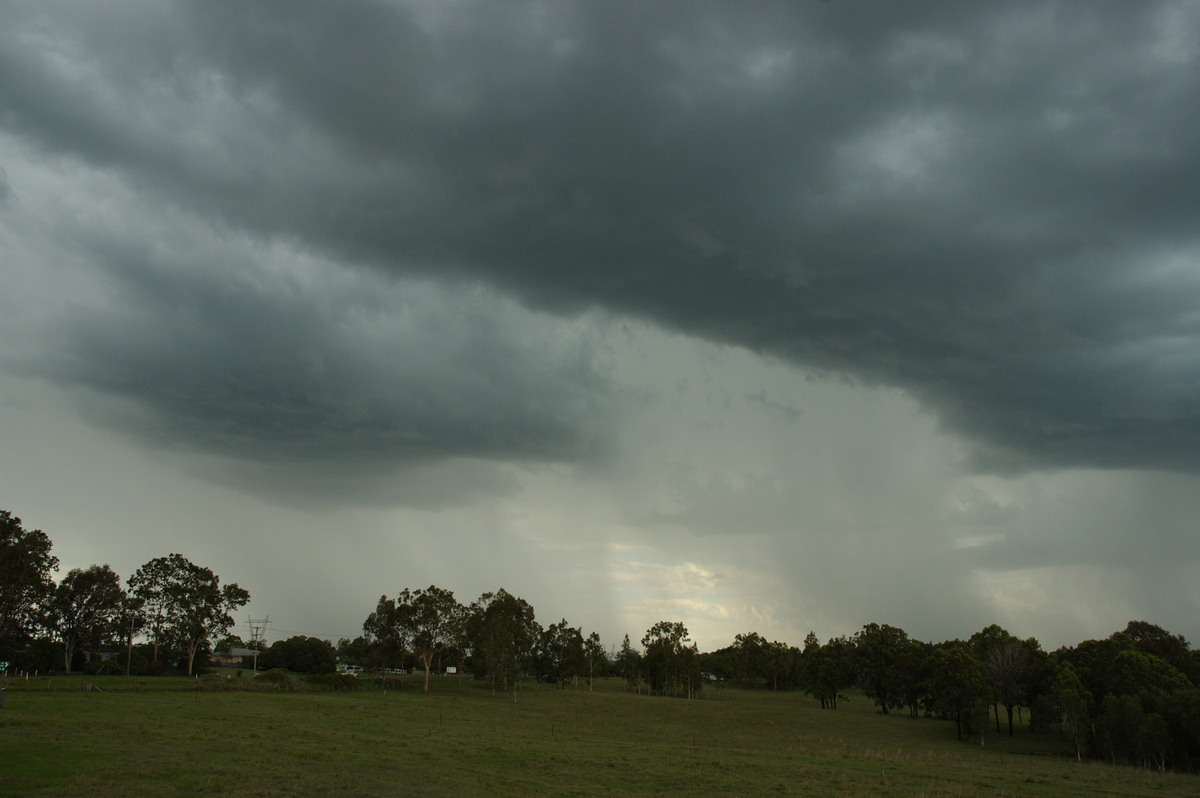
pixel 97 667
pixel 300 655
pixel 337 682
pixel 41 656
pixel 381 682
pixel 277 677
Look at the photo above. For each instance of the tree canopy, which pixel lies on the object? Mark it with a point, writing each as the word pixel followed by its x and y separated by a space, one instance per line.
pixel 25 582
pixel 85 608
pixel 185 603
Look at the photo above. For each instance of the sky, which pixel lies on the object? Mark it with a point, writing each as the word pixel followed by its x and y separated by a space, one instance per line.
pixel 787 317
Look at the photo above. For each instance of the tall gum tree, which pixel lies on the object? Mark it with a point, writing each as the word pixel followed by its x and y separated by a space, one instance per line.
pixel 501 632
pixel 85 608
pixel 25 567
pixel 186 603
pixel 431 621
pixel 670 660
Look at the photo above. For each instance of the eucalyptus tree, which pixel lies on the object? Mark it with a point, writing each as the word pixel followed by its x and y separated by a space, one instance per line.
pixel 1009 668
pixel 1072 704
pixel 782 663
pixel 594 657
pixel 25 567
pixel 560 655
pixel 501 634
pixel 991 644
pixel 670 660
pixel 153 589
pixel 878 649
pixel 185 603
pixel 749 654
pixel 828 670
pixel 385 640
pixel 301 654
pixel 1175 649
pixel 629 664
pixel 86 607
pixel 912 674
pixel 430 620
pixel 959 686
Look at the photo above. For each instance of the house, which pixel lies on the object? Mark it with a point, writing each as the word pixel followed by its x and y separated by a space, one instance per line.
pixel 234 657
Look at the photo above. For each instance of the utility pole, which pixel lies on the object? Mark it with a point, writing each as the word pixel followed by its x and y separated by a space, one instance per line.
pixel 131 616
pixel 257 633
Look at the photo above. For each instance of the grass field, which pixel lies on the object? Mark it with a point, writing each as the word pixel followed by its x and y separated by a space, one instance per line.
pixel 169 737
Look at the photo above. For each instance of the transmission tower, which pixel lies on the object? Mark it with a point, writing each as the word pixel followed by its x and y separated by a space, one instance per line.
pixel 258 630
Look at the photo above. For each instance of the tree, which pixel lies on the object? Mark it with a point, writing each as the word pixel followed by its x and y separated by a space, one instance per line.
pixel 85 607
pixel 1152 639
pixel 1008 667
pixel 1092 662
pixel 429 619
pixel 594 657
pixel 912 675
pixel 670 661
pixel 501 634
pixel 25 567
pixel 982 643
pixel 358 651
pixel 301 654
pixel 1132 672
pixel 959 685
pixel 808 663
pixel 877 649
pixel 1119 727
pixel 560 653
pixel 230 642
pixel 749 654
pixel 754 658
pixel 386 640
pixel 186 603
pixel 828 670
pixel 629 663
pixel 781 661
pixel 152 593
pixel 1071 701
pixel 1008 664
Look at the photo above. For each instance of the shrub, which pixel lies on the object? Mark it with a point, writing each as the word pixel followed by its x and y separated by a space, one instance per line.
pixel 278 678
pixel 337 682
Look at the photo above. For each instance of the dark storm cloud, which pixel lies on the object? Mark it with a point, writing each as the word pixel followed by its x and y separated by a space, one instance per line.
pixel 990 205
pixel 251 359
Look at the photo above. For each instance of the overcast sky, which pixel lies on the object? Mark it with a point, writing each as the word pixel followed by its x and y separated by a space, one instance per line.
pixel 771 317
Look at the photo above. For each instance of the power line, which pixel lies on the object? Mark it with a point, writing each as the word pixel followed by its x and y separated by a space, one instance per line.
pixel 258 630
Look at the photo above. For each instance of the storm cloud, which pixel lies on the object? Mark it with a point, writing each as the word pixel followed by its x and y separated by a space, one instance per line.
pixel 312 239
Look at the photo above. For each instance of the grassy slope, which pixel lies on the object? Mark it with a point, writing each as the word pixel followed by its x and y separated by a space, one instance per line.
pixel 140 738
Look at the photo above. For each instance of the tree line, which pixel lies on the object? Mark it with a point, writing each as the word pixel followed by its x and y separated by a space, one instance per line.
pixel 178 607
pixel 498 640
pixel 1132 697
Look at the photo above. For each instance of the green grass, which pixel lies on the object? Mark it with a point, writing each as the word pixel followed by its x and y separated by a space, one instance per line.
pixel 166 737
